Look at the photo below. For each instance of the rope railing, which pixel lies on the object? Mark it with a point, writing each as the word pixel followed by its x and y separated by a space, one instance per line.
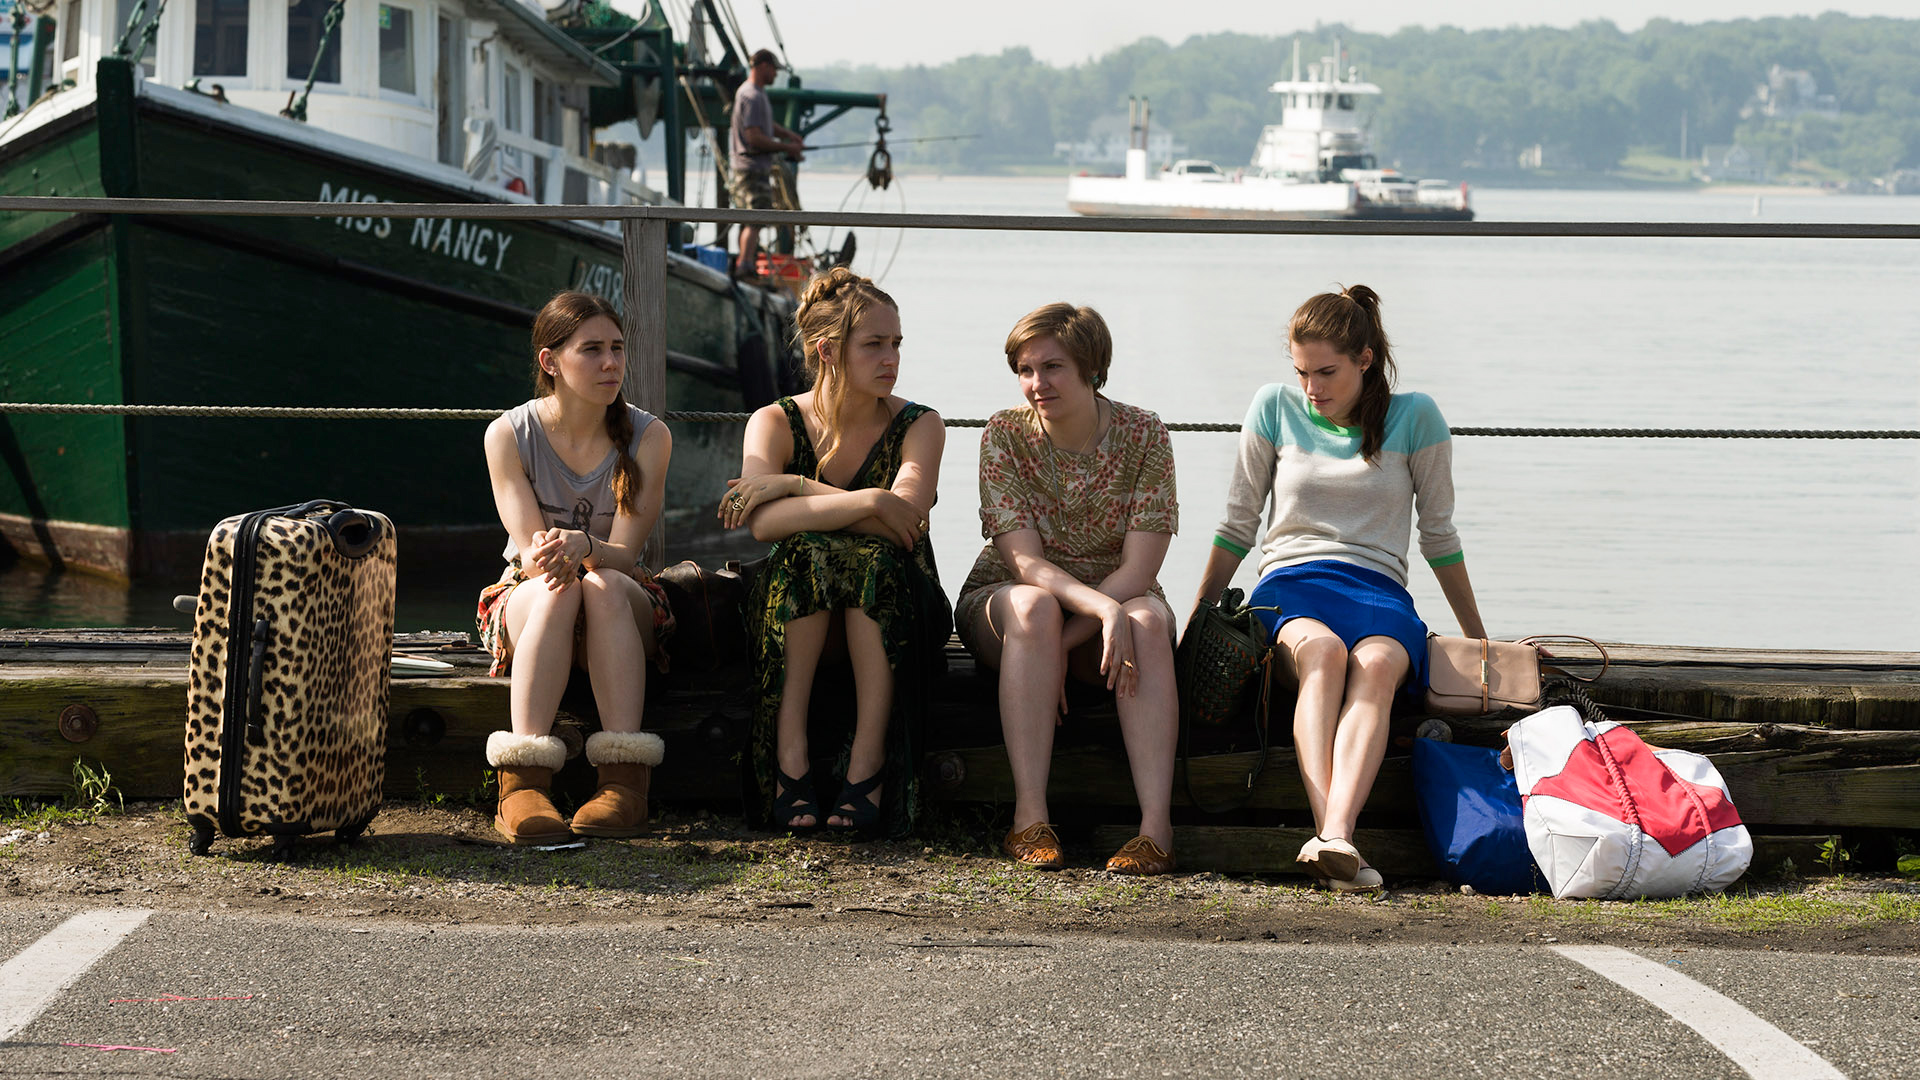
pixel 295 412
pixel 988 222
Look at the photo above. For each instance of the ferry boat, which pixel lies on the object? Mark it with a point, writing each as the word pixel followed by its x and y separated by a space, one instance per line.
pixel 1315 163
pixel 362 103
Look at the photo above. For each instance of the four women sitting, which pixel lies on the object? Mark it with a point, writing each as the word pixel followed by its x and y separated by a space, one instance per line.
pixel 1077 501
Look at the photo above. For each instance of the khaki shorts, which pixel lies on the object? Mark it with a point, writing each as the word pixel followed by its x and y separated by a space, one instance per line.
pixel 750 190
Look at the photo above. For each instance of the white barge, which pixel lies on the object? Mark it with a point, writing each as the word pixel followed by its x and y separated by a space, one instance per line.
pixel 1315 163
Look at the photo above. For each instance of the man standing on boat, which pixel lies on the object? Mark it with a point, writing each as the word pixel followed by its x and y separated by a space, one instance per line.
pixel 755 139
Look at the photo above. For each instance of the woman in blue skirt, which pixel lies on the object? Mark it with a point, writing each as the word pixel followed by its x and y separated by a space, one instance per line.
pixel 1344 468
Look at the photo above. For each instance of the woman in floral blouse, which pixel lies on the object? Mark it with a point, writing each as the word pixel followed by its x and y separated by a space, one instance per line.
pixel 1077 499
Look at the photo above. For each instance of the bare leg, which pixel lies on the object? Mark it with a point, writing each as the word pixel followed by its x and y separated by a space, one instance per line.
pixel 539 625
pixel 1150 718
pixel 615 605
pixel 1022 639
pixel 749 251
pixel 1321 659
pixel 1374 672
pixel 806 637
pixel 873 696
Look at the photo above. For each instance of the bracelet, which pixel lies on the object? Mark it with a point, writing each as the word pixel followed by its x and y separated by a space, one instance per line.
pixel 589 553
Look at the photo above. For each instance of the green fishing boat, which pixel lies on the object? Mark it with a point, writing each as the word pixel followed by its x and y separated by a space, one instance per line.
pixel 361 104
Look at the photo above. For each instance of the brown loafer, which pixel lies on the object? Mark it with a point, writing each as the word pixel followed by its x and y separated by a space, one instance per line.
pixel 1141 856
pixel 1037 846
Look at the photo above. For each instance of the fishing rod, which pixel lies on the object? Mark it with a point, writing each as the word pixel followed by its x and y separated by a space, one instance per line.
pixel 864 142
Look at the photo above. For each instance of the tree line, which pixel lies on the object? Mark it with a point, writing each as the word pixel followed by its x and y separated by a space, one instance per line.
pixel 1451 98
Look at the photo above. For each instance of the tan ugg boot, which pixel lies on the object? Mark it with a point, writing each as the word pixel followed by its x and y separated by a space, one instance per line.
pixel 525 765
pixel 625 761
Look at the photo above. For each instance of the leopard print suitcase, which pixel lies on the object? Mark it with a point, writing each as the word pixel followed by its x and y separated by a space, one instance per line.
pixel 288 685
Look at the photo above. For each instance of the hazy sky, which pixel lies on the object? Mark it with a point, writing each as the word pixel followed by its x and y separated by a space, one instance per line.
pixel 891 33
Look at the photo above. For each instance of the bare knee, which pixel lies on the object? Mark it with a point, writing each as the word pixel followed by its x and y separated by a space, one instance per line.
pixel 1376 671
pixel 603 596
pixel 1034 616
pixel 1321 656
pixel 1152 623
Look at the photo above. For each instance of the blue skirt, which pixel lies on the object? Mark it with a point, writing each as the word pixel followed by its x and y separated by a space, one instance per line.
pixel 1350 600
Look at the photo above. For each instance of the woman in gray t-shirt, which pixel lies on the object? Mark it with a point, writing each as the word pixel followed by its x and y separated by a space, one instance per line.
pixel 578 477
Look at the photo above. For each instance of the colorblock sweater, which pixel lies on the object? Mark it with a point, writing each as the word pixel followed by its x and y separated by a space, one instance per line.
pixel 1323 501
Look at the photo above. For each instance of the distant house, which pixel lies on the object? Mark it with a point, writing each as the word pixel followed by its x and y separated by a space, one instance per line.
pixel 1106 144
pixel 1543 156
pixel 1731 164
pixel 1789 92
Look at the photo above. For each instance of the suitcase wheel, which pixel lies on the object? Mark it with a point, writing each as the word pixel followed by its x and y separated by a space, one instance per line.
pixel 351 832
pixel 201 841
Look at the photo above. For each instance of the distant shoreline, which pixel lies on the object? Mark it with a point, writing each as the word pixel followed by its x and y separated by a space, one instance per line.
pixel 1501 182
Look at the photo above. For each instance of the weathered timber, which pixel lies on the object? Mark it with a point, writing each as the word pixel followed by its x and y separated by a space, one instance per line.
pixel 1231 849
pixel 1820 688
pixel 1098 776
pixel 1724 737
pixel 1770 787
pixel 132 684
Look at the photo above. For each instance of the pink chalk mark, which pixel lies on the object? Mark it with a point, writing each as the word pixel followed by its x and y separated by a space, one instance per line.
pixel 103 1046
pixel 177 997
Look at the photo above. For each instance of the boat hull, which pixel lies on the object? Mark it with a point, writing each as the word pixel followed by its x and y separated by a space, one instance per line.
pixel 355 311
pixel 1100 196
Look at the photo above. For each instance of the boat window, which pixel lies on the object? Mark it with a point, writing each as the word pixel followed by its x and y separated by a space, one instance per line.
pixel 396 49
pixel 306 22
pixel 1346 102
pixel 70 32
pixel 543 127
pixel 220 37
pixel 510 117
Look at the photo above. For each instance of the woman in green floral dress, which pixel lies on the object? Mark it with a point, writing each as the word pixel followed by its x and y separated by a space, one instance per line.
pixel 841 479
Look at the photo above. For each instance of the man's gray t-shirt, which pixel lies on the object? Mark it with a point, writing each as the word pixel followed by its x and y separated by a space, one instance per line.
pixel 567 499
pixel 751 109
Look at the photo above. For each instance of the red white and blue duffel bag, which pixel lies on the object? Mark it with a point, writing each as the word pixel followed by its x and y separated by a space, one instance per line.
pixel 1611 818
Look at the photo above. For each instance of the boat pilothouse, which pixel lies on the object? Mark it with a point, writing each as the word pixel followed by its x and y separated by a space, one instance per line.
pixel 1315 163
pixel 488 88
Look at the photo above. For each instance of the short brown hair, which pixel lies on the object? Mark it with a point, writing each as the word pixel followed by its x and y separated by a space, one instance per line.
pixel 1079 330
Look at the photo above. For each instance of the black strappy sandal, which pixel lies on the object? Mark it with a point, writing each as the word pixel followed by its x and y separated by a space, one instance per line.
pixel 854 803
pixel 793 797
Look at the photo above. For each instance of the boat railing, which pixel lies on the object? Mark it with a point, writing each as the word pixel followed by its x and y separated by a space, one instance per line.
pixel 644 231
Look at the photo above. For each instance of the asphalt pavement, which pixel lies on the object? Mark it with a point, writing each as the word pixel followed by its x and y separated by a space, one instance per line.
pixel 209 995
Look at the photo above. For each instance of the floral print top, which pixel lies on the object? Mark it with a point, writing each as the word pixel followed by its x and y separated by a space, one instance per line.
pixel 1083 505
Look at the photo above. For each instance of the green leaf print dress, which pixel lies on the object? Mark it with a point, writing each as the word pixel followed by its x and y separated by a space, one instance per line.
pixel 810 572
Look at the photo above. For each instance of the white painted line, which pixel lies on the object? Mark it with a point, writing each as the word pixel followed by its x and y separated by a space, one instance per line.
pixel 1764 1051
pixel 30 981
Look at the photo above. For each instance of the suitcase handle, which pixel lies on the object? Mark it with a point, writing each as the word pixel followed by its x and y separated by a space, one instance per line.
pixel 256 666
pixel 353 533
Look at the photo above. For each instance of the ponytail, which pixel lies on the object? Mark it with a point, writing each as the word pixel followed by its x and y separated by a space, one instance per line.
pixel 1349 320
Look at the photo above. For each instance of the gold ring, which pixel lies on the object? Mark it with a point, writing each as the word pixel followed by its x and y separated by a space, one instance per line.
pixel 739 501
pixel 1126 663
pixel 565 558
pixel 923 524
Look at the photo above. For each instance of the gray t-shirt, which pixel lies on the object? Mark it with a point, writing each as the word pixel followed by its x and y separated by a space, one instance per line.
pixel 567 499
pixel 751 109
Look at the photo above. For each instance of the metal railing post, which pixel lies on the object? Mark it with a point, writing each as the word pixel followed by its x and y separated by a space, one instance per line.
pixel 643 266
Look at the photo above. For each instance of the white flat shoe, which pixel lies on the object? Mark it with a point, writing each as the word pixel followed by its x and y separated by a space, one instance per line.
pixel 1335 860
pixel 1366 879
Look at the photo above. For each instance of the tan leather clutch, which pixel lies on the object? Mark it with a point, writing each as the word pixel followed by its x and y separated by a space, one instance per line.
pixel 1474 676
